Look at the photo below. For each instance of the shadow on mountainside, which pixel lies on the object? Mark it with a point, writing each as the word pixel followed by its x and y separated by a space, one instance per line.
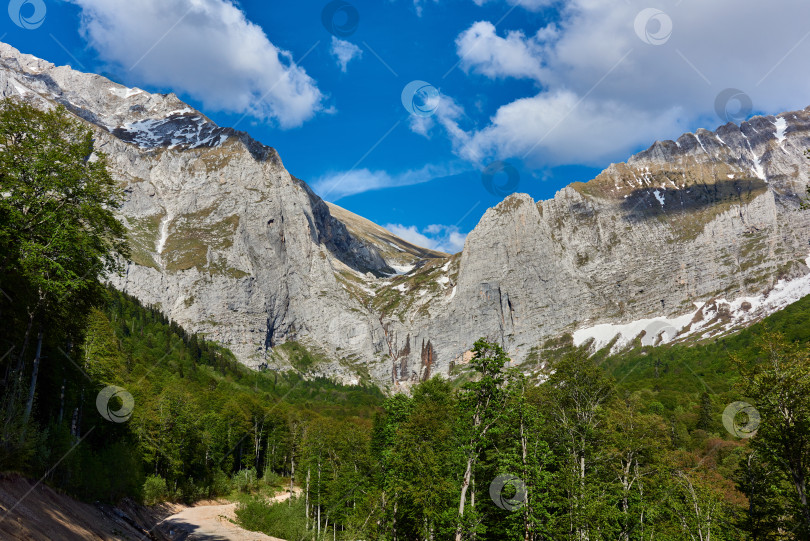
pixel 645 203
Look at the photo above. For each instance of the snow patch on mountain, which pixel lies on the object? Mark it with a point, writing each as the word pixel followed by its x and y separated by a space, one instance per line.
pixel 124 92
pixel 177 129
pixel 781 128
pixel 625 333
pixel 709 319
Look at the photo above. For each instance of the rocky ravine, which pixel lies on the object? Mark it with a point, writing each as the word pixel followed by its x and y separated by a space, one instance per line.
pixel 229 244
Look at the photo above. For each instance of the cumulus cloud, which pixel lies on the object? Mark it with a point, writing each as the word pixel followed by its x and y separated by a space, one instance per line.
pixel 444 238
pixel 559 128
pixel 336 185
pixel 484 52
pixel 344 52
pixel 604 92
pixel 205 48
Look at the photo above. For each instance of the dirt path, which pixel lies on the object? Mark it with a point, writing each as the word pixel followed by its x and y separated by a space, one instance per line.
pixel 211 521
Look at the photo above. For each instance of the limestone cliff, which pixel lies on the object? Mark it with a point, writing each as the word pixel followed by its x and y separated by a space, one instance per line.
pixel 232 246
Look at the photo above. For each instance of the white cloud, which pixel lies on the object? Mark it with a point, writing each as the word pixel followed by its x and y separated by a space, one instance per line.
pixel 336 185
pixel 344 52
pixel 444 238
pixel 558 128
pixel 481 50
pixel 448 115
pixel 531 5
pixel 604 92
pixel 206 48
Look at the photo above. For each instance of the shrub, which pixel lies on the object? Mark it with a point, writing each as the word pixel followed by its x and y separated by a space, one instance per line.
pixel 271 479
pixel 154 490
pixel 655 407
pixel 220 484
pixel 245 480
pixel 286 520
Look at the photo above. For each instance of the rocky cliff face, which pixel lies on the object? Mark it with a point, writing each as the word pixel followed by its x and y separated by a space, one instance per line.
pixel 224 239
pixel 230 245
pixel 712 216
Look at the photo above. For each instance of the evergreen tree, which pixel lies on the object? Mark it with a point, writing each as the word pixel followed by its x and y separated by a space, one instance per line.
pixel 706 416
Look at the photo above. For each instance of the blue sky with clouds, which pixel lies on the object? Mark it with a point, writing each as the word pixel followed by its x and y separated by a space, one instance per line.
pixel 556 89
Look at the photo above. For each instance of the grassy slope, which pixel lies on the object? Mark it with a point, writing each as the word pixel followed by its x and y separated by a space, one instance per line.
pixel 684 372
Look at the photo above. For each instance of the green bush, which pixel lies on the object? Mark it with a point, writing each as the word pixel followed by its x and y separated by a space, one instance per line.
pixel 154 490
pixel 245 480
pixel 655 407
pixel 271 479
pixel 286 520
pixel 220 484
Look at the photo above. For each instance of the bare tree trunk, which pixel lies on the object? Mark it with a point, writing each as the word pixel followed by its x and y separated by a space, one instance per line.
pixel 472 488
pixel 801 489
pixel 523 455
pixel 32 389
pixel 26 339
pixel 465 483
pixel 258 432
pixel 306 505
pixel 292 476
pixel 61 402
pixel 394 521
pixel 583 533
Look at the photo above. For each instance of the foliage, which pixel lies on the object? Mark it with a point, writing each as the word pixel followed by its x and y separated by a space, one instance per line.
pixel 58 236
pixel 245 480
pixel 285 520
pixel 154 490
pixel 779 382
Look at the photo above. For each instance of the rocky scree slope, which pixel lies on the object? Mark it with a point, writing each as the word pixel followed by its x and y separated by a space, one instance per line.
pixel 229 244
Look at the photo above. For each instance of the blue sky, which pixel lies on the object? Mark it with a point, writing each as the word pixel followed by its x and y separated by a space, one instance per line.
pixel 557 89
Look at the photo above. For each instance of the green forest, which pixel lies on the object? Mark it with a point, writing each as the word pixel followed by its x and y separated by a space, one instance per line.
pixel 105 398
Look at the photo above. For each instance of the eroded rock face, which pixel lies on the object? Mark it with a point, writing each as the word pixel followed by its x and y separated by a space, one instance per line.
pixel 230 245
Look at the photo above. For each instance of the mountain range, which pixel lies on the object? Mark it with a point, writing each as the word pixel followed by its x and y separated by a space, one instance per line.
pixel 688 239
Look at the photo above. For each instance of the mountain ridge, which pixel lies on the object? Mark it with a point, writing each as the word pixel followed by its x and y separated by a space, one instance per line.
pixel 232 246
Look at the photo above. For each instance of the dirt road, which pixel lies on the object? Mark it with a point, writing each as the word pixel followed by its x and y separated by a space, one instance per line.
pixel 211 521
